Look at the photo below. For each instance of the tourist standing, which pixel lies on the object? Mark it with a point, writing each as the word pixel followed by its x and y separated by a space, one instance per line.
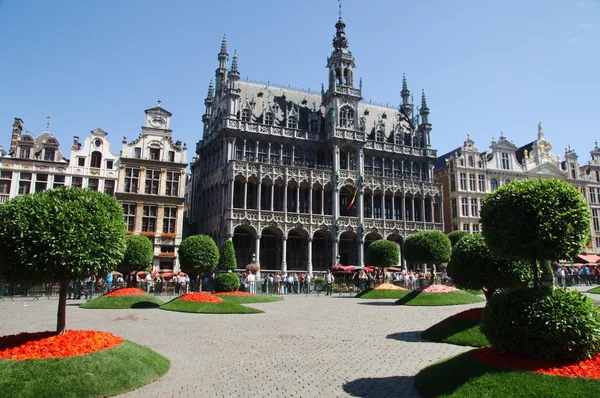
pixel 108 285
pixel 329 283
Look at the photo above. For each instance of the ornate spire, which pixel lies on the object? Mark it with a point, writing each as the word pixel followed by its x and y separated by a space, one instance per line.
pixel 223 46
pixel 48 118
pixel 210 94
pixel 404 93
pixel 234 62
pixel 424 108
pixel 339 41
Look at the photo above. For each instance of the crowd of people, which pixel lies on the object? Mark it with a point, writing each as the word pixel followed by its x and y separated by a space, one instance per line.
pixel 573 275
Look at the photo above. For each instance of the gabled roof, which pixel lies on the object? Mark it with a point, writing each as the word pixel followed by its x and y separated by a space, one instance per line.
pixel 520 154
pixel 440 162
pixel 158 109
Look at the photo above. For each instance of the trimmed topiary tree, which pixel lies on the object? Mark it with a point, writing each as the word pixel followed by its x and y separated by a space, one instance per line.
pixel 455 236
pixel 543 323
pixel 227 282
pixel 227 261
pixel 138 255
pixel 383 253
pixel 474 266
pixel 428 247
pixel 198 254
pixel 60 235
pixel 535 221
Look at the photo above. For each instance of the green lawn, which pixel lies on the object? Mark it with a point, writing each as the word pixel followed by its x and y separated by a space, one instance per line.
pixel 103 373
pixel 121 302
pixel 595 290
pixel 431 299
pixel 383 294
pixel 457 331
pixel 463 377
pixel 251 299
pixel 208 308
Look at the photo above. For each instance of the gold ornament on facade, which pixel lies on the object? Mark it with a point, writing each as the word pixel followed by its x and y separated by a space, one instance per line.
pixel 142 168
pixel 94 172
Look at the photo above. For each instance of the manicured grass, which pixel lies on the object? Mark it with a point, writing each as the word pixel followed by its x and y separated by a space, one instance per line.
pixel 121 302
pixel 595 290
pixel 475 292
pixel 457 331
pixel 208 308
pixel 103 373
pixel 432 299
pixel 251 299
pixel 463 377
pixel 377 294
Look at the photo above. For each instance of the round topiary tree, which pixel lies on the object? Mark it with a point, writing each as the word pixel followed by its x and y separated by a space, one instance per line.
pixel 428 247
pixel 455 236
pixel 383 253
pixel 474 266
pixel 138 255
pixel 227 282
pixel 535 221
pixel 227 261
pixel 198 254
pixel 60 235
pixel 543 323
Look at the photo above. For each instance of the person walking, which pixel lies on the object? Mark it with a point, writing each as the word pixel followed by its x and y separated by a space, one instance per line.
pixel 108 284
pixel 329 283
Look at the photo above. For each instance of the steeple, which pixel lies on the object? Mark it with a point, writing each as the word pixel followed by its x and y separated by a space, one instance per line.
pixel 234 64
pixel 221 72
pixel 406 108
pixel 233 76
pixel 425 126
pixel 208 102
pixel 223 54
pixel 341 62
pixel 424 108
pixel 16 134
pixel 340 43
pixel 209 95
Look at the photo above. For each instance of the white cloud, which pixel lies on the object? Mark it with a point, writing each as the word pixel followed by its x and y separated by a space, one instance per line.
pixel 588 4
pixel 587 28
pixel 574 39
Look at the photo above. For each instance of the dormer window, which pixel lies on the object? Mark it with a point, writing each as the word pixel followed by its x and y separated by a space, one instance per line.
pixel 379 136
pixel 49 154
pixel 81 161
pixel 398 139
pixel 24 152
pixel 505 162
pixel 314 126
pixel 245 115
pixel 96 160
pixel 292 122
pixel 471 164
pixel 137 153
pixel 269 119
pixel 154 153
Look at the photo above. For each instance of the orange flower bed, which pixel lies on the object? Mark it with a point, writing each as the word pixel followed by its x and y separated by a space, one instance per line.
pixel 589 368
pixel 126 291
pixel 201 298
pixel 235 294
pixel 44 345
pixel 388 286
pixel 474 314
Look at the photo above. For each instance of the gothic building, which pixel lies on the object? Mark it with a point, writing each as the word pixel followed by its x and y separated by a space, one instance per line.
pixel 303 180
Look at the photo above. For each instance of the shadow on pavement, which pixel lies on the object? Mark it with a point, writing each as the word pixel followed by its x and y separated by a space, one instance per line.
pixel 380 303
pixel 411 337
pixel 396 386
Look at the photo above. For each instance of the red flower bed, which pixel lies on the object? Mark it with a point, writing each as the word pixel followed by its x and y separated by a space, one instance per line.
pixel 437 289
pixel 201 298
pixel 126 291
pixel 43 345
pixel 474 314
pixel 589 368
pixel 235 294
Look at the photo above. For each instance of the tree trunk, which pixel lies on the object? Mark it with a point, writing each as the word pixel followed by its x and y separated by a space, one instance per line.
pixel 489 292
pixel 534 269
pixel 62 308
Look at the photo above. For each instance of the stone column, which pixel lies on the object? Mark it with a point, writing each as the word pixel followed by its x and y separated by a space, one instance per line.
pixel 336 188
pixel 310 199
pixel 322 199
pixel 423 210
pixel 246 194
pixel 285 189
pixel 257 249
pixel 272 193
pixel 336 250
pixel 394 206
pixel 284 254
pixel 244 153
pixel 231 193
pixel 297 198
pixel 310 264
pixel 258 194
pixel 412 209
pixel 432 209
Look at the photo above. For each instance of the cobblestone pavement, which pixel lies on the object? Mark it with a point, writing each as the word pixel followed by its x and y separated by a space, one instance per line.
pixel 301 347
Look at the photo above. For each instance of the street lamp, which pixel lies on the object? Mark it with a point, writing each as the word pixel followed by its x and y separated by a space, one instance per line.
pixel 253 258
pixel 337 258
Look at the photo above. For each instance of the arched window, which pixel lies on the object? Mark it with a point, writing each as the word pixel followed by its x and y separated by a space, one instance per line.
pixel 493 184
pixel 287 154
pixel 507 181
pixel 368 164
pixel 377 166
pixel 275 153
pixel 245 115
pixel 416 142
pixel 263 151
pixel 239 149
pixel 387 165
pixel 314 125
pixel 461 162
pixel 298 155
pixel 96 159
pixel 250 148
pixel 269 119
pixel 379 136
pixel 346 117
pixel 292 122
pixel 309 158
pixel 398 139
pixel 471 164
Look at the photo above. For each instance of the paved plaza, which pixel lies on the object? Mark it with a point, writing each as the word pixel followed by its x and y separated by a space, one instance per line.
pixel 300 347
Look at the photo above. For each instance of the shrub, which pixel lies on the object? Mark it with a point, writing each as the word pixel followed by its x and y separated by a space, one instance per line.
pixel 139 254
pixel 383 253
pixel 455 236
pixel 198 254
pixel 227 261
pixel 227 282
pixel 427 247
pixel 474 266
pixel 543 323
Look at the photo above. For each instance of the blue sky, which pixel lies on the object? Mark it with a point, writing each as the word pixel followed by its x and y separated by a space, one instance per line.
pixel 486 66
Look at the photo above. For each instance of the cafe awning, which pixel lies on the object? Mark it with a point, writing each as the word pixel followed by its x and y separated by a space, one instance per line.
pixel 587 258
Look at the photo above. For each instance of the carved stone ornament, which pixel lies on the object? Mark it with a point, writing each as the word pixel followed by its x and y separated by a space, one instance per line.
pixel 142 168
pixel 163 171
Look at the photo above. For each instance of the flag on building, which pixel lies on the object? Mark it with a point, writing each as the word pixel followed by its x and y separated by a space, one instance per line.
pixel 353 199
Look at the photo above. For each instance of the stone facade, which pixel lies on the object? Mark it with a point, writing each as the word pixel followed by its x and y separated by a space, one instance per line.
pixel 151 186
pixel 303 180
pixel 468 175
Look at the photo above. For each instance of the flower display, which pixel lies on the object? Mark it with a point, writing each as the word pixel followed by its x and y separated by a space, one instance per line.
pixel 437 289
pixel 235 294
pixel 252 268
pixel 126 291
pixel 201 298
pixel 44 345
pixel 389 286
pixel 474 314
pixel 589 368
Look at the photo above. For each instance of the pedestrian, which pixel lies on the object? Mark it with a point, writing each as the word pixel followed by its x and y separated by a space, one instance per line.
pixel 108 284
pixel 329 283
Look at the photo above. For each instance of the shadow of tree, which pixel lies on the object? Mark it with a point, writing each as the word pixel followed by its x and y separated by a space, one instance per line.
pixel 407 298
pixel 144 304
pixel 411 337
pixel 379 303
pixel 395 386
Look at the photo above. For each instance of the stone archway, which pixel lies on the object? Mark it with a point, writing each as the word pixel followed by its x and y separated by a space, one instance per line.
pixel 322 247
pixel 270 249
pixel 370 238
pixel 395 237
pixel 244 244
pixel 348 248
pixel 297 250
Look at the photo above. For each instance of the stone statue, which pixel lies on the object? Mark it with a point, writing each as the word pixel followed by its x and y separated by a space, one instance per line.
pixel 363 123
pixel 540 131
pixel 361 180
pixel 337 178
pixel 525 153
